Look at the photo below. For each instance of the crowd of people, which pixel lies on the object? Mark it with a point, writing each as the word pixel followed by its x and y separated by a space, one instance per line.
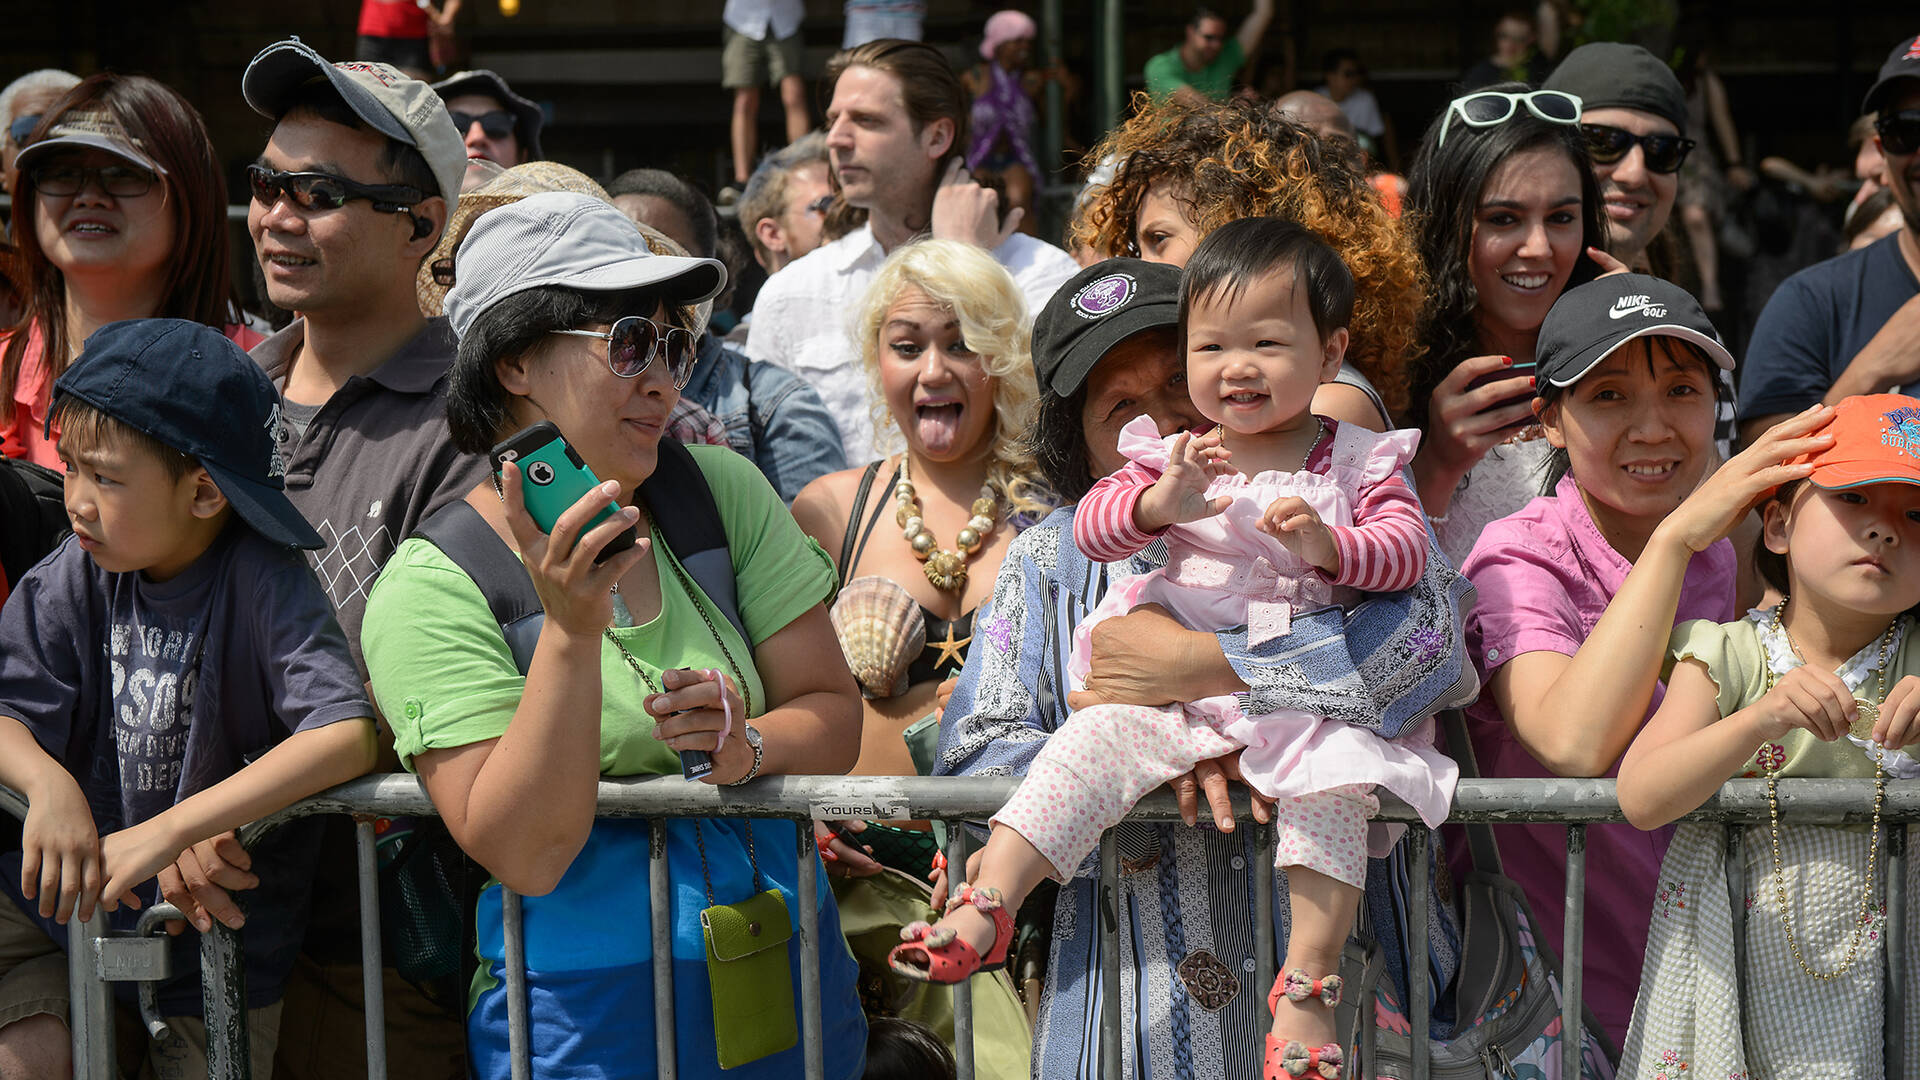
pixel 1278 469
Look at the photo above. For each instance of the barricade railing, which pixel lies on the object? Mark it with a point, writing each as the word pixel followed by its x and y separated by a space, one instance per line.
pixel 97 958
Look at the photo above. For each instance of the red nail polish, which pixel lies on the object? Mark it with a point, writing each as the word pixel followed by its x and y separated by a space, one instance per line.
pixel 1506 361
pixel 1532 382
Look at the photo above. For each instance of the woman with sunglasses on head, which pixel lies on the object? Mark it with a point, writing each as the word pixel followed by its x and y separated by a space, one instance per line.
pixel 120 213
pixel 1509 217
pixel 564 316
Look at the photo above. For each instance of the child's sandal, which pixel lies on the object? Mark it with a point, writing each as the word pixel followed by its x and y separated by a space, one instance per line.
pixel 1292 1059
pixel 944 957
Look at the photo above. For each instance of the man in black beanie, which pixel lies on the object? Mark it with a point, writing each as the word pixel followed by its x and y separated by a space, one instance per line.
pixel 1634 114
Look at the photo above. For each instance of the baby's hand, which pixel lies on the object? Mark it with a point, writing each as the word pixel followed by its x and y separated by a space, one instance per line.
pixel 1292 522
pixel 1899 722
pixel 1806 697
pixel 1180 495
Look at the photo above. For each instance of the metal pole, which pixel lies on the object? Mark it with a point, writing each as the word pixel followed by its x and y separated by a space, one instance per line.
pixel 1108 63
pixel 813 1042
pixel 1053 128
pixel 962 991
pixel 223 991
pixel 1108 932
pixel 1897 959
pixel 514 938
pixel 90 1012
pixel 372 989
pixel 660 914
pixel 1571 1023
pixel 1417 988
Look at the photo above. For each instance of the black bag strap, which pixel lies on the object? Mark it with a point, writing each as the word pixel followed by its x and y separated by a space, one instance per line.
pixel 853 518
pixel 1481 847
pixel 685 517
pixel 34 509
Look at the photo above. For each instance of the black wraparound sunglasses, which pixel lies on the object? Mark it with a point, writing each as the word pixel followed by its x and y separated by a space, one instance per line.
pixel 325 191
pixel 497 124
pixel 1899 132
pixel 1664 153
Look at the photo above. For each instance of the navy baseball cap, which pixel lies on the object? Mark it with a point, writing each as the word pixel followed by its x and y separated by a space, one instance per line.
pixel 1903 63
pixel 189 387
pixel 1590 321
pixel 1096 309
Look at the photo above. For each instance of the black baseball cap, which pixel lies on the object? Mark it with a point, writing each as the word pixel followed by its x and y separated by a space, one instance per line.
pixel 1902 63
pixel 1590 321
pixel 1612 75
pixel 189 387
pixel 1096 309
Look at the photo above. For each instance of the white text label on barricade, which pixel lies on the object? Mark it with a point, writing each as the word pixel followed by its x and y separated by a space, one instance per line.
pixel 877 809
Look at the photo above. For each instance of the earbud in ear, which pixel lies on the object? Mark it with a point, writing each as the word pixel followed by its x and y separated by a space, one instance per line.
pixel 421 226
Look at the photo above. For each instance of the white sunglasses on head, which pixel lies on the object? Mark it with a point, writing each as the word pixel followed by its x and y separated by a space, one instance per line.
pixel 1490 108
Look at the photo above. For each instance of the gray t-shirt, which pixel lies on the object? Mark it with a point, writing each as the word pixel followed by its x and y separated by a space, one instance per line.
pixel 155 631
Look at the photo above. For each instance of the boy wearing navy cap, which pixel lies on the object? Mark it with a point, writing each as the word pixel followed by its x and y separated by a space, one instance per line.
pixel 173 670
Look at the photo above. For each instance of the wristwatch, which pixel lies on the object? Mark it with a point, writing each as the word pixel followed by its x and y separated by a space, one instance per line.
pixel 752 735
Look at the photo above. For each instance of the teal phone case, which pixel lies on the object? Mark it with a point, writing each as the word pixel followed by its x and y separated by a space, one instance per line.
pixel 553 478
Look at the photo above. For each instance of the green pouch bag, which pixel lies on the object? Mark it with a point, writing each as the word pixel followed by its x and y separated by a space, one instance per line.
pixel 749 974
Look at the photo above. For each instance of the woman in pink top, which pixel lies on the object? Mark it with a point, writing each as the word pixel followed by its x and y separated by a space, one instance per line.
pixel 120 212
pixel 1589 580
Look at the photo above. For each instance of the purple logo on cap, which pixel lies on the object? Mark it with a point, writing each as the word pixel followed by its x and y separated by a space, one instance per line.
pixel 1104 296
pixel 1902 431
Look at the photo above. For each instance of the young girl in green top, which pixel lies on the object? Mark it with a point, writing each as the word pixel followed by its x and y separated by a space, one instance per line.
pixel 1820 685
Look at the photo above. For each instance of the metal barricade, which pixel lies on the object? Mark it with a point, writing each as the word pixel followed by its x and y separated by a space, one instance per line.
pixel 957 800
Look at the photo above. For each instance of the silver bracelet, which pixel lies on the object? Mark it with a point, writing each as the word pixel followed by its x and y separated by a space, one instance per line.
pixel 752 735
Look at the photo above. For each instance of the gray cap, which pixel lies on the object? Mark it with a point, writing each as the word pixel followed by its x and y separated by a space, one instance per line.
pixel 89 129
pixel 397 106
pixel 1610 75
pixel 527 117
pixel 566 238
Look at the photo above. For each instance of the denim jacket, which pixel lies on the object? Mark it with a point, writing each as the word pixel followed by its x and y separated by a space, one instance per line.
pixel 772 418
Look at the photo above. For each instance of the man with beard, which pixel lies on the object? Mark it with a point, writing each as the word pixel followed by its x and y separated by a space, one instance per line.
pixel 1850 325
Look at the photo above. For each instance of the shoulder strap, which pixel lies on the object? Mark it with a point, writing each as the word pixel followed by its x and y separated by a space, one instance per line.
pixel 35 512
pixel 854 514
pixel 688 521
pixel 460 533
pixel 1480 843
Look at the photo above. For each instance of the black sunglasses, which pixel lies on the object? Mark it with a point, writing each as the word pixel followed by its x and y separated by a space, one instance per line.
pixel 325 191
pixel 1664 153
pixel 1899 132
pixel 498 124
pixel 822 204
pixel 635 340
pixel 119 181
pixel 22 127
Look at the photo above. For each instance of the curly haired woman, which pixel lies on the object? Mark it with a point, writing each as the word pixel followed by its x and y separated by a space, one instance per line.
pixel 1181 172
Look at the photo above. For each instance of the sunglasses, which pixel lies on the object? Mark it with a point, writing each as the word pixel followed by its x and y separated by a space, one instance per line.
pixel 1899 132
pixel 1491 108
pixel 497 124
pixel 313 191
pixel 635 340
pixel 1663 153
pixel 22 127
pixel 119 181
pixel 822 204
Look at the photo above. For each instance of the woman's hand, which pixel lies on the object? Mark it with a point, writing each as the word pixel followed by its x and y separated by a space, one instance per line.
pixel 1806 697
pixel 576 592
pixel 1294 523
pixel 691 714
pixel 1463 424
pixel 1180 495
pixel 939 876
pixel 837 849
pixel 1146 657
pixel 1734 489
pixel 1607 263
pixel 1211 777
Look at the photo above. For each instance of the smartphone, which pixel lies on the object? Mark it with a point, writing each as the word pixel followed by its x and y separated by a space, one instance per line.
pixel 553 478
pixel 1517 370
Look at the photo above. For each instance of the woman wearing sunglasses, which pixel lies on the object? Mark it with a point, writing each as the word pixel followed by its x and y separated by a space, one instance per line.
pixel 120 213
pixel 564 316
pixel 1508 210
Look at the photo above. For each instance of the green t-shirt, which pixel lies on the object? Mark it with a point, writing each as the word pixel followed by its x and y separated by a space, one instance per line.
pixel 1165 73
pixel 443 676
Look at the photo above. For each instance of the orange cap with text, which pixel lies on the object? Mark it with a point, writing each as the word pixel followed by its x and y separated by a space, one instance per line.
pixel 1876 440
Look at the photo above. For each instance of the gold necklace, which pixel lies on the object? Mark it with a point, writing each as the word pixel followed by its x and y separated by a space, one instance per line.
pixel 946 570
pixel 1879 796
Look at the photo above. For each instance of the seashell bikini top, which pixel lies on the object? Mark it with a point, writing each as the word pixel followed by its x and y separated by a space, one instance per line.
pixel 947 639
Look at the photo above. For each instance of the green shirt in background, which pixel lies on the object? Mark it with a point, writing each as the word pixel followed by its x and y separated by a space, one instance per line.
pixel 1165 73
pixel 443 676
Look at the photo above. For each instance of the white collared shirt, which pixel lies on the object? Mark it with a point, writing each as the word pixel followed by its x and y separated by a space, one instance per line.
pixel 803 318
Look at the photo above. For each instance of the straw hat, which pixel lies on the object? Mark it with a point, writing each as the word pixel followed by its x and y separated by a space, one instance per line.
pixel 508 185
